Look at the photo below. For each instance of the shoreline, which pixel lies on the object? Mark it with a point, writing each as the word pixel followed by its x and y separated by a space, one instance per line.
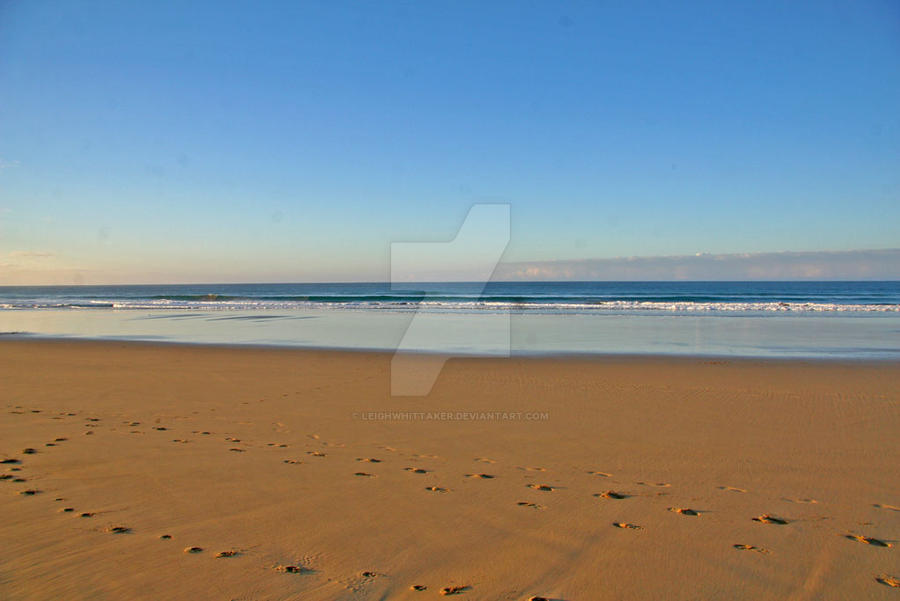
pixel 17 337
pixel 804 337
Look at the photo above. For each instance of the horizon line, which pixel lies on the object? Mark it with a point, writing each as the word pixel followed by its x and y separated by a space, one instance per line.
pixel 408 283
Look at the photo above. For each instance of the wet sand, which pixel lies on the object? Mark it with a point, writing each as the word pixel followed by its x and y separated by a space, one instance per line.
pixel 140 471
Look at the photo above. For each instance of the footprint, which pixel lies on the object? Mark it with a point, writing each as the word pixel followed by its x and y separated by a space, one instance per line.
pixel 327 444
pixel 365 474
pixel 29 451
pixel 165 536
pixel 416 470
pixel 29 492
pixel 454 590
pixel 418 587
pixel 10 461
pixel 86 514
pixel 684 511
pixel 627 525
pixel 541 487
pixel 229 553
pixel 193 549
pixel 611 494
pixel 368 459
pixel 527 504
pixel 770 519
pixel 890 507
pixel 316 453
pixel 888 580
pixel 292 569
pixel 292 461
pixel 732 489
pixel 601 474
pixel 118 529
pixel 750 548
pixel 869 540
pixel 480 476
pixel 236 450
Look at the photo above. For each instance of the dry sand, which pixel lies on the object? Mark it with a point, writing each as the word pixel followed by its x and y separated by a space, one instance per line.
pixel 256 453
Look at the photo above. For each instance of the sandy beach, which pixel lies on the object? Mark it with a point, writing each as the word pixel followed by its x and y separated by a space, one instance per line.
pixel 141 471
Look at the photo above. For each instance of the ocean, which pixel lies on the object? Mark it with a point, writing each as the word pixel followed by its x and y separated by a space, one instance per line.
pixel 757 319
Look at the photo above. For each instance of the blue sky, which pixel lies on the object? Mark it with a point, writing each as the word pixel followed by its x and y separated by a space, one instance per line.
pixel 223 141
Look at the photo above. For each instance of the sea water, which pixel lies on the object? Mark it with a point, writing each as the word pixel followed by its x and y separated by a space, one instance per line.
pixel 755 319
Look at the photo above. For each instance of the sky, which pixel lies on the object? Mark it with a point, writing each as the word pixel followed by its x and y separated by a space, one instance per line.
pixel 295 141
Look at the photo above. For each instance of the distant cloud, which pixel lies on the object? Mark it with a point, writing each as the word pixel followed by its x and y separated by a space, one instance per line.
pixel 39 268
pixel 34 267
pixel 30 254
pixel 5 164
pixel 823 265
pixel 26 267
